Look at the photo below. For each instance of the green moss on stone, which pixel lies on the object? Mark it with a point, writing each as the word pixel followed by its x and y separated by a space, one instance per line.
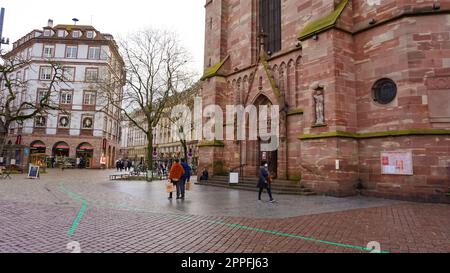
pixel 274 86
pixel 295 177
pixel 213 70
pixel 323 23
pixel 411 132
pixel 215 143
pixel 298 111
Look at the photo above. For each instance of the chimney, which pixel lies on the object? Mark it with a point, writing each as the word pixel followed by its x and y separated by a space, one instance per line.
pixel 50 23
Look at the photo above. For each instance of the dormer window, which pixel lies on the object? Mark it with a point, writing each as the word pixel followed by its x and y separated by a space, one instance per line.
pixel 61 33
pixel 90 34
pixel 76 34
pixel 47 33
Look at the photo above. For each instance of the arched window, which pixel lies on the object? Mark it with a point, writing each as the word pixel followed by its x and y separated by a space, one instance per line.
pixel 270 24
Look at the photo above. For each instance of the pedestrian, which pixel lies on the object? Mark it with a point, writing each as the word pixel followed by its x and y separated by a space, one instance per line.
pixel 176 172
pixel 125 165
pixel 118 164
pixel 121 165
pixel 130 164
pixel 264 181
pixel 53 162
pixel 185 178
pixel 205 175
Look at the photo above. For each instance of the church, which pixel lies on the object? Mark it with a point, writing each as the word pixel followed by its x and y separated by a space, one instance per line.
pixel 363 89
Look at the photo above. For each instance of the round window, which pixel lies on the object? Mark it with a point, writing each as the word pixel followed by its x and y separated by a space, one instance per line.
pixel 384 91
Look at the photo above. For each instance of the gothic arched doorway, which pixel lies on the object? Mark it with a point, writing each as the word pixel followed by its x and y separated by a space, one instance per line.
pixel 256 155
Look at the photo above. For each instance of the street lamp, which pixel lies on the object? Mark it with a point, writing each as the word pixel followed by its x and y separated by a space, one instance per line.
pixel 3 41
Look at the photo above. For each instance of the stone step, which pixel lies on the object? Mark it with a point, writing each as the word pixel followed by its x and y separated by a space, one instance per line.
pixel 251 186
pixel 275 183
pixel 253 180
pixel 303 192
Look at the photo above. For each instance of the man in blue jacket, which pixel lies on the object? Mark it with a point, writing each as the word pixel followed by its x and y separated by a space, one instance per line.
pixel 185 178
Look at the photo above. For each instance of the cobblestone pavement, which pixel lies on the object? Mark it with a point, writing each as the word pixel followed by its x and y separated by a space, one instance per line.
pixel 45 215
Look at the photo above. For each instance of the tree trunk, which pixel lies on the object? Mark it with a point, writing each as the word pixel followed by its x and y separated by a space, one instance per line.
pixel 150 152
pixel 184 145
pixel 3 137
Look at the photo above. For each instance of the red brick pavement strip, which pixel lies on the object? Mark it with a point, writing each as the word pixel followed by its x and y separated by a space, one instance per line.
pixel 399 228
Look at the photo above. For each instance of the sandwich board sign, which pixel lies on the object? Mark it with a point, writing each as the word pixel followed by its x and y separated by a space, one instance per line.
pixel 33 172
pixel 234 178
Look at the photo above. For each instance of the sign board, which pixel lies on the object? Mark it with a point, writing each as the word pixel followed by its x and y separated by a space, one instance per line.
pixel 2 160
pixel 397 163
pixel 234 178
pixel 33 172
pixel 13 162
pixel 103 160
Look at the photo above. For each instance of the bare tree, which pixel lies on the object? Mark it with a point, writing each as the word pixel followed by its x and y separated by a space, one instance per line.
pixel 16 105
pixel 180 118
pixel 156 68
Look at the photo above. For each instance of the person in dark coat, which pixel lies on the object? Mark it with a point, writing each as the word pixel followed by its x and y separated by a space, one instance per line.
pixel 205 175
pixel 264 182
pixel 185 178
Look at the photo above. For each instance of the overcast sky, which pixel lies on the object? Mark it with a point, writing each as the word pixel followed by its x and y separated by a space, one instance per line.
pixel 116 17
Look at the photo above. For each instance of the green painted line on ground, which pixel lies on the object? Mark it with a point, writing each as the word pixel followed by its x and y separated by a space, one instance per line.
pixel 189 218
pixel 81 212
pixel 295 236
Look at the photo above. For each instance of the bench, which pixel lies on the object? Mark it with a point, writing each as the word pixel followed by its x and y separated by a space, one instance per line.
pixel 118 176
pixel 4 173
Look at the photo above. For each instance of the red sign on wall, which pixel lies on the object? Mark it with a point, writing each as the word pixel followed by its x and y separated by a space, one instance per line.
pixel 19 140
pixel 397 163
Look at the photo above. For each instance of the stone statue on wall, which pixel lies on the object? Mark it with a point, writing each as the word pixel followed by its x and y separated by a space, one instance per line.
pixel 319 104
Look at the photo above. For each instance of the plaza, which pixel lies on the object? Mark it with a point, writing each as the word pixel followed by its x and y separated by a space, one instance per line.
pixel 103 216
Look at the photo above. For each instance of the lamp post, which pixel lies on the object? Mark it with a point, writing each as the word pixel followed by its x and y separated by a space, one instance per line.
pixel 3 40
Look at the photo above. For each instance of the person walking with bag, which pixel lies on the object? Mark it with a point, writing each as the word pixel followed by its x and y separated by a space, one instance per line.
pixel 185 178
pixel 175 175
pixel 264 181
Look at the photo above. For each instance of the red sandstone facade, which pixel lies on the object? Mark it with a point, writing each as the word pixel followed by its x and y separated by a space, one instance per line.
pixel 406 41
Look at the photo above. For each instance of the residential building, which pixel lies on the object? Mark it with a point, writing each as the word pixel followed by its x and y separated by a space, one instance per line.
pixel 86 126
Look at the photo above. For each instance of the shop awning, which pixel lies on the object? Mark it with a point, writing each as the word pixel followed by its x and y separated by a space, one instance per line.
pixel 62 147
pixel 85 148
pixel 38 145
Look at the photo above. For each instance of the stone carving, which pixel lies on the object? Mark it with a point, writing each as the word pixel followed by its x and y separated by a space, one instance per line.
pixel 87 123
pixel 64 122
pixel 319 104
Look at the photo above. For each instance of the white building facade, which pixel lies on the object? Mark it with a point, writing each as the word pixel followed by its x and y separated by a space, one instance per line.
pixel 87 126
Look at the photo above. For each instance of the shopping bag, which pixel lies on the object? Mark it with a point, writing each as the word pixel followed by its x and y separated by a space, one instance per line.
pixel 169 187
pixel 189 186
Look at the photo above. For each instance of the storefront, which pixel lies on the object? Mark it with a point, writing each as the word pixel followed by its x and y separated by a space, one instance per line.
pixel 85 155
pixel 38 153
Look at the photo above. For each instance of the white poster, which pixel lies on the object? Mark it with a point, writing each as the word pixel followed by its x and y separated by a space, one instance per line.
pixel 234 178
pixel 397 163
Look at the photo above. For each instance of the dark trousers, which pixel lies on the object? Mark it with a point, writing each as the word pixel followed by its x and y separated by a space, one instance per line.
pixel 175 184
pixel 181 187
pixel 269 191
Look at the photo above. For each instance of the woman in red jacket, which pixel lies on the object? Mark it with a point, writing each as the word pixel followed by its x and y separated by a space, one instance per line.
pixel 176 172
